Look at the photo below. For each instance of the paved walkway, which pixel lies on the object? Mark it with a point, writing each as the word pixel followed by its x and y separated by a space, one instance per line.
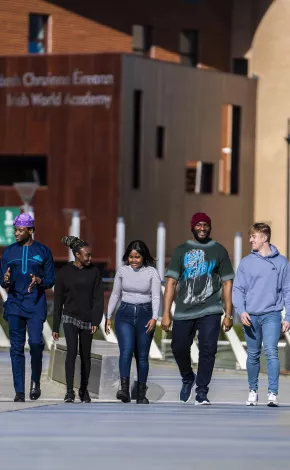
pixel 49 434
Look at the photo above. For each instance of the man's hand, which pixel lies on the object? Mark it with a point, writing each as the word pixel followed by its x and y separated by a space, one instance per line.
pixel 7 276
pixel 227 324
pixel 245 319
pixel 169 293
pixel 55 336
pixel 166 321
pixel 94 329
pixel 285 326
pixel 35 280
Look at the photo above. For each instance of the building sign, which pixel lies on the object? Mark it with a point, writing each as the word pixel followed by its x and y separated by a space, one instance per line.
pixel 7 215
pixel 30 97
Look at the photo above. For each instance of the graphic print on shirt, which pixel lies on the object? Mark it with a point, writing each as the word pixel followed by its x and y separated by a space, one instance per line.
pixel 197 276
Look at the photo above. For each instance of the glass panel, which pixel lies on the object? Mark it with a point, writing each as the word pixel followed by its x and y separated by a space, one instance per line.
pixel 36 27
pixel 23 168
pixel 36 47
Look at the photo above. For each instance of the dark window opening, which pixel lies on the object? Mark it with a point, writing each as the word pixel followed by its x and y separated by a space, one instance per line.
pixel 23 169
pixel 199 177
pixel 142 39
pixel 230 151
pixel 160 135
pixel 137 125
pixel 188 48
pixel 236 126
pixel 190 180
pixel 240 66
pixel 37 33
pixel 206 186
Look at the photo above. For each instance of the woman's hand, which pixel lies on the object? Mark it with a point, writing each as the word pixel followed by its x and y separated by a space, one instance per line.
pixel 150 325
pixel 94 329
pixel 55 336
pixel 108 326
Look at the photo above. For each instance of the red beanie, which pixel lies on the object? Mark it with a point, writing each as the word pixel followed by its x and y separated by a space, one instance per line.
pixel 199 217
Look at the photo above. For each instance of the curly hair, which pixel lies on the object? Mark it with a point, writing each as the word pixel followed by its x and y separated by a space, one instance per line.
pixel 74 243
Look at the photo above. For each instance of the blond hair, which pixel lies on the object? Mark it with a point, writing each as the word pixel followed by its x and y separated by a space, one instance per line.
pixel 261 227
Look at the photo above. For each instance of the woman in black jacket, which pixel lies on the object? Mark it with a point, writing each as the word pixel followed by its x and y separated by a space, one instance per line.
pixel 79 302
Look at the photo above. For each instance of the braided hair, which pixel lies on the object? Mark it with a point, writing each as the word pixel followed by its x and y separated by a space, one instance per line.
pixel 74 243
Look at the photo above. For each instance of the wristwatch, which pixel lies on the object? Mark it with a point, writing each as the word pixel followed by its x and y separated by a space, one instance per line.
pixel 229 317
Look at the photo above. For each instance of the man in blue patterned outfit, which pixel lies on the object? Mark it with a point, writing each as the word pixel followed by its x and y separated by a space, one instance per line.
pixel 26 271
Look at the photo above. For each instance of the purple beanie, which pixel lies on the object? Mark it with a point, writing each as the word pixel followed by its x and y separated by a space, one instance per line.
pixel 23 220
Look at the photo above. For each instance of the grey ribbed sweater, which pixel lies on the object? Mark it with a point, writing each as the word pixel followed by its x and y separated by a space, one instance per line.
pixel 136 287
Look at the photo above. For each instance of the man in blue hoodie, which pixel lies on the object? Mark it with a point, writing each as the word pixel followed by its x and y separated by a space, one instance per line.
pixel 261 290
pixel 26 271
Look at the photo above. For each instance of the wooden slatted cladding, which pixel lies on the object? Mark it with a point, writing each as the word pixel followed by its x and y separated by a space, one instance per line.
pixel 67 109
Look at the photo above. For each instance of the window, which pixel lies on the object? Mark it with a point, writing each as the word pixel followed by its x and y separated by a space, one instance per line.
pixel 137 127
pixel 199 177
pixel 38 34
pixel 240 66
pixel 188 48
pixel 230 152
pixel 160 134
pixel 23 168
pixel 142 39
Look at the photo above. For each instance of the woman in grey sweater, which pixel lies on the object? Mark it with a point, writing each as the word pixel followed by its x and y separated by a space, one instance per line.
pixel 138 285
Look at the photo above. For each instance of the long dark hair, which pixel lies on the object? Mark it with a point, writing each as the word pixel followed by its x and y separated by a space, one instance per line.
pixel 74 243
pixel 142 249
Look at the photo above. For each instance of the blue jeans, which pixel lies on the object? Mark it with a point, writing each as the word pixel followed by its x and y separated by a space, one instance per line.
pixel 264 328
pixel 132 338
pixel 17 333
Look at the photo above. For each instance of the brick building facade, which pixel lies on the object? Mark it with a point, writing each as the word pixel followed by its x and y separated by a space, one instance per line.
pixel 90 27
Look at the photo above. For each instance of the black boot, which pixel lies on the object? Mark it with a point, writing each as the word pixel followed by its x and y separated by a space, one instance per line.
pixel 84 396
pixel 141 394
pixel 19 397
pixel 70 396
pixel 124 394
pixel 35 391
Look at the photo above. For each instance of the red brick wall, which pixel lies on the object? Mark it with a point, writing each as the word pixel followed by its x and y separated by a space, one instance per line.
pixel 89 26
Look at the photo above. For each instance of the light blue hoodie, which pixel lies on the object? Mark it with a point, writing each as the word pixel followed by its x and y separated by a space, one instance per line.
pixel 262 284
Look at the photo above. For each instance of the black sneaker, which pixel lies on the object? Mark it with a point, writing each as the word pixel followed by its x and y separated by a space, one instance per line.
pixel 84 396
pixel 70 396
pixel 202 400
pixel 186 389
pixel 19 397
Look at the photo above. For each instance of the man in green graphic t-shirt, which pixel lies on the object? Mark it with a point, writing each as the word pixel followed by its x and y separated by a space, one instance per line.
pixel 202 270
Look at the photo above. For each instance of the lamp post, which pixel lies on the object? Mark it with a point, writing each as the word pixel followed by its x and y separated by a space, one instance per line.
pixel 120 241
pixel 74 227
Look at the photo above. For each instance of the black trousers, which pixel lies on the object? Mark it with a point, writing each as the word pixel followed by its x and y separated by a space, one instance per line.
pixel 75 336
pixel 183 333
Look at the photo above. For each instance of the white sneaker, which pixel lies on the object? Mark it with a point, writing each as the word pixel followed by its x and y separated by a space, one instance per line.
pixel 272 400
pixel 252 398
